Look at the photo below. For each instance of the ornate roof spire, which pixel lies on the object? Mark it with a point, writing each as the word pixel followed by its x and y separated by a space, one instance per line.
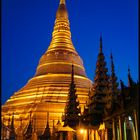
pixel 99 90
pixel 122 93
pixel 62 2
pixel 130 81
pixel 71 109
pixel 112 64
pixel 113 77
pixel 101 44
pixel 113 88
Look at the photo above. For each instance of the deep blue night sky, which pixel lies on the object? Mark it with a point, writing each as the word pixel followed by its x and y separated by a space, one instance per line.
pixel 26 34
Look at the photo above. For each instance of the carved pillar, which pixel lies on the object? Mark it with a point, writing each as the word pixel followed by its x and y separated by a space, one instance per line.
pixel 136 123
pixel 94 134
pixel 106 134
pixel 125 135
pixel 120 128
pixel 113 129
pixel 88 133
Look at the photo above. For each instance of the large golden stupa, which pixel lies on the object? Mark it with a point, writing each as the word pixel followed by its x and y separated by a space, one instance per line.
pixel 47 90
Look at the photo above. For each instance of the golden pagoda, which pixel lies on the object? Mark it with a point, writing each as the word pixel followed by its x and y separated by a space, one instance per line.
pixel 47 91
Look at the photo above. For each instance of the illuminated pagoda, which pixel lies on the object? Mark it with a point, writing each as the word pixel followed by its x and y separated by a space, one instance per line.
pixel 47 91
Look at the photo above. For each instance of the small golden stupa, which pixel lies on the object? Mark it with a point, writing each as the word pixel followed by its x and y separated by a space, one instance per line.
pixel 47 91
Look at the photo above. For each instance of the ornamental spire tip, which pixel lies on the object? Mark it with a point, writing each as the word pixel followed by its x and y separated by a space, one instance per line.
pixel 101 44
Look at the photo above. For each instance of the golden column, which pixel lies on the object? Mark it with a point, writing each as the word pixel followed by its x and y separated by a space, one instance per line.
pixel 114 129
pixel 136 123
pixel 120 128
pixel 124 126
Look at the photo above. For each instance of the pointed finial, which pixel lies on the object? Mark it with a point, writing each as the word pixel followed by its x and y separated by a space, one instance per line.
pixel 112 64
pixel 128 70
pixel 47 115
pixel 129 75
pixel 111 56
pixel 122 84
pixel 62 2
pixel 130 81
pixel 101 44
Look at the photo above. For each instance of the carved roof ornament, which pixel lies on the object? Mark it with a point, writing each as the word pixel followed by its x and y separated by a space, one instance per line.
pixel 130 80
pixel 113 76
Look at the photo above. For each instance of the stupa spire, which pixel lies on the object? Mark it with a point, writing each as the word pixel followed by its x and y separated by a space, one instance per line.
pixel 61 46
pixel 61 36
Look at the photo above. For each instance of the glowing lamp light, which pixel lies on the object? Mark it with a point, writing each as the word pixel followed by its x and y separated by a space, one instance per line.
pixel 129 118
pixel 81 131
pixel 79 114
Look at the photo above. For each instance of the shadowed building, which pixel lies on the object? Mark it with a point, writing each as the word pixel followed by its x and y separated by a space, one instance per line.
pixel 111 113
